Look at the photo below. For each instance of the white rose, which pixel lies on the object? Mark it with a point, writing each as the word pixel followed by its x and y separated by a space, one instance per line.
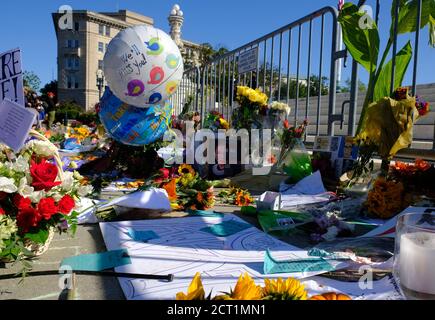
pixel 42 148
pixel 68 181
pixel 83 191
pixel 7 185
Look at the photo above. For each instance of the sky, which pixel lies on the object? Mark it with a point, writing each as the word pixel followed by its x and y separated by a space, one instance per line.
pixel 28 24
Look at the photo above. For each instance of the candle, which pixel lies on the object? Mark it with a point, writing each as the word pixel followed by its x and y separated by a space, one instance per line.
pixel 417 261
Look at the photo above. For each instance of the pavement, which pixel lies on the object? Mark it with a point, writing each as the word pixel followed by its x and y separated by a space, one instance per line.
pixel 88 239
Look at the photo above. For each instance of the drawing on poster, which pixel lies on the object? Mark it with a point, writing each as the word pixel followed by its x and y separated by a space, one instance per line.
pixel 182 249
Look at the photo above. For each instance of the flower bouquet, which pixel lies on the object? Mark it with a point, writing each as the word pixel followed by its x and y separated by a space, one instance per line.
pixel 247 289
pixel 293 159
pixel 236 196
pixel 274 114
pixel 215 121
pixel 36 196
pixel 251 102
pixel 185 188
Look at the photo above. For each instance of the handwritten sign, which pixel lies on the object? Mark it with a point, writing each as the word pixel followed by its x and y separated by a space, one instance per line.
pixel 15 124
pixel 248 60
pixel 11 77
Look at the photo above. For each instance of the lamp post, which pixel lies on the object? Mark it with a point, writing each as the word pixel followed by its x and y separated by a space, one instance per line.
pixel 100 82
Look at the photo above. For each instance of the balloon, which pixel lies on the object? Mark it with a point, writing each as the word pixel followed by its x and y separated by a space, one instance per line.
pixel 131 125
pixel 143 66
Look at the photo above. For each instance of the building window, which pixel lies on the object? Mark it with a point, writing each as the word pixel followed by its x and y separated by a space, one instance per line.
pixel 107 31
pixel 76 26
pixel 101 30
pixel 106 46
pixel 72 82
pixel 76 63
pixel 100 47
pixel 72 43
pixel 100 64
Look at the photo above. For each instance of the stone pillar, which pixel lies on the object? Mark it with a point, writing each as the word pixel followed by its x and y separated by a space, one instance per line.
pixel 176 20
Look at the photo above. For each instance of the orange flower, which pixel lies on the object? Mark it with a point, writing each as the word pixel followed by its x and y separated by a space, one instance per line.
pixel 421 164
pixel 170 188
pixel 199 197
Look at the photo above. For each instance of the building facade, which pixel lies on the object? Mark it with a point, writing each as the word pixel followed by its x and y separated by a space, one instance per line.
pixel 81 47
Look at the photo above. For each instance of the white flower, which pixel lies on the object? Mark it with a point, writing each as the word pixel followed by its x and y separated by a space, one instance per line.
pixel 42 148
pixel 21 164
pixel 67 181
pixel 36 196
pixel 83 191
pixel 279 106
pixel 7 185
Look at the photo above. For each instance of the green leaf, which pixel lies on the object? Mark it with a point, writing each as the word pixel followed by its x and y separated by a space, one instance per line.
pixel 383 83
pixel 408 15
pixel 362 43
pixel 39 237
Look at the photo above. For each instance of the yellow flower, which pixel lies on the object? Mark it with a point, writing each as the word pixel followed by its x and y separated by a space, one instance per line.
pixel 186 179
pixel 224 123
pixel 195 290
pixel 290 289
pixel 185 168
pixel 246 289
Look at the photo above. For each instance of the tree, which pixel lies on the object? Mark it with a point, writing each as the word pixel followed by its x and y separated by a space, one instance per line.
pixel 31 80
pixel 346 88
pixel 49 87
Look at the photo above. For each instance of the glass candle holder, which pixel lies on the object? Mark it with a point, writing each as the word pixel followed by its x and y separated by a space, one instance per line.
pixel 414 259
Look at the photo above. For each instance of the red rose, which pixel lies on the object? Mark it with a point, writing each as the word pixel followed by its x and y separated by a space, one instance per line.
pixel 27 219
pixel 47 208
pixel 164 173
pixel 22 203
pixel 2 212
pixel 44 175
pixel 66 204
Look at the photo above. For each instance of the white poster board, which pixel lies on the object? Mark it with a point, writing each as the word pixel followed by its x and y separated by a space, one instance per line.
pixel 248 60
pixel 15 124
pixel 182 249
pixel 11 77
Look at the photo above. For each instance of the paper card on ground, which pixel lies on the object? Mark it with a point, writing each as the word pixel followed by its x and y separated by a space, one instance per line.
pixel 98 261
pixel 15 124
pixel 11 77
pixel 204 213
pixel 183 250
pixel 226 228
pixel 142 235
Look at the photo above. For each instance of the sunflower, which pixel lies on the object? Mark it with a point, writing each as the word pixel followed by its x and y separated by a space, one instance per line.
pixel 290 289
pixel 245 289
pixel 186 168
pixel 195 290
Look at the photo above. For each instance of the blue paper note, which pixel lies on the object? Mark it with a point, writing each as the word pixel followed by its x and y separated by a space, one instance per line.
pixel 204 213
pixel 98 261
pixel 226 228
pixel 146 235
pixel 272 266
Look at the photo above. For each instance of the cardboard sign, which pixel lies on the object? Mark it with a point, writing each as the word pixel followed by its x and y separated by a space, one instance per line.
pixel 15 124
pixel 248 60
pixel 11 77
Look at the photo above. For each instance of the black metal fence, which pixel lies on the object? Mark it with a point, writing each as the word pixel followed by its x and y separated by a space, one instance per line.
pixel 297 64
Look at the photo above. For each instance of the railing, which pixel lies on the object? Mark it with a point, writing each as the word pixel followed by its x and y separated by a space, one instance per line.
pixel 297 64
pixel 284 70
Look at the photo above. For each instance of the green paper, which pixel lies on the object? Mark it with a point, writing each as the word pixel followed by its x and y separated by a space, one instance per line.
pixel 98 261
pixel 204 213
pixel 137 235
pixel 272 266
pixel 226 228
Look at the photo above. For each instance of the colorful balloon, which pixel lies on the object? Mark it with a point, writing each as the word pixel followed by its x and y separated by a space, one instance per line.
pixel 131 125
pixel 143 65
